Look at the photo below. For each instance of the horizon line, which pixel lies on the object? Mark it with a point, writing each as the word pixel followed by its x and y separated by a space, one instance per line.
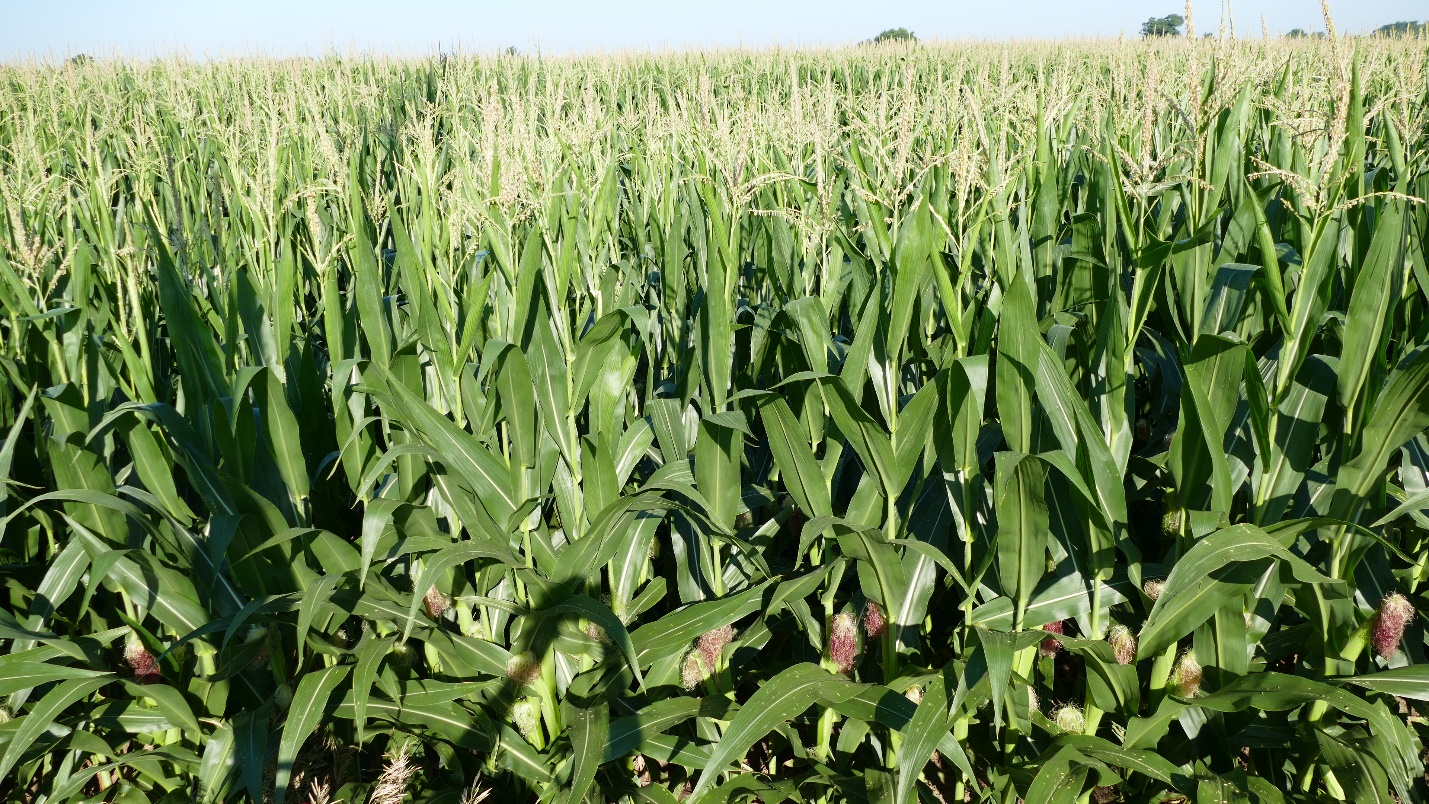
pixel 157 54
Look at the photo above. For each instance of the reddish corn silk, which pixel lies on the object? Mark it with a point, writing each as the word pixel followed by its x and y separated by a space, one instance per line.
pixel 1123 644
pixel 141 661
pixel 436 603
pixel 873 620
pixel 1395 612
pixel 1153 589
pixel 711 645
pixel 1050 647
pixel 843 641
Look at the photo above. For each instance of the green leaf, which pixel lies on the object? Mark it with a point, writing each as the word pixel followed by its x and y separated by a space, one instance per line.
pixel 20 676
pixel 1018 353
pixel 199 358
pixel 854 372
pixel 518 400
pixel 718 451
pixel 601 615
pixel 928 727
pixel 677 629
pixel 915 430
pixel 216 768
pixel 1227 298
pixel 250 734
pixel 1060 779
pixel 589 729
pixel 1147 763
pixel 304 713
pixel 1197 458
pixel 1401 411
pixel 376 519
pixel 447 720
pixel 1312 295
pixel 812 321
pixel 998 651
pixel 1374 295
pixel 1412 504
pixel 867 438
pixel 170 702
pixel 1403 682
pixel 880 571
pixel 370 652
pixel 1217 569
pixel 916 242
pixel 436 564
pixel 777 701
pixel 180 757
pixel 45 714
pixel 551 379
pixel 284 439
pixel 1083 440
pixel 1297 428
pixel 798 469
pixel 964 400
pixel 1271 280
pixel 457 449
pixel 1270 691
pixel 7 449
pixel 1022 527
pixel 1066 596
pixel 629 734
pixel 315 596
pixel 1360 775
pixel 608 529
pixel 592 352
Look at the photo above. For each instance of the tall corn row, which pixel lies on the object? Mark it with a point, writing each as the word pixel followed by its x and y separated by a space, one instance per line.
pixel 972 423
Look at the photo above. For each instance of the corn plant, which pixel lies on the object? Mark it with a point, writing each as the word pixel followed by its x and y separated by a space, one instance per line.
pixel 921 423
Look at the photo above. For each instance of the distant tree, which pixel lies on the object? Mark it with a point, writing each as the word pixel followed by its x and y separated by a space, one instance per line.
pixel 80 59
pixel 1169 25
pixel 1402 29
pixel 893 35
pixel 512 51
pixel 1301 33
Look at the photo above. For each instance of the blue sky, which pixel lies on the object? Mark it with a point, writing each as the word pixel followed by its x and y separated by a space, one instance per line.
pixel 226 27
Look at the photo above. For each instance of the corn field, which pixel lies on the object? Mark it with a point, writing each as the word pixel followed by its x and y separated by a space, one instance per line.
pixel 945 423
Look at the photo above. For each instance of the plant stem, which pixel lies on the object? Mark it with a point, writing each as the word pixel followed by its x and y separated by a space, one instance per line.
pixel 1160 674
